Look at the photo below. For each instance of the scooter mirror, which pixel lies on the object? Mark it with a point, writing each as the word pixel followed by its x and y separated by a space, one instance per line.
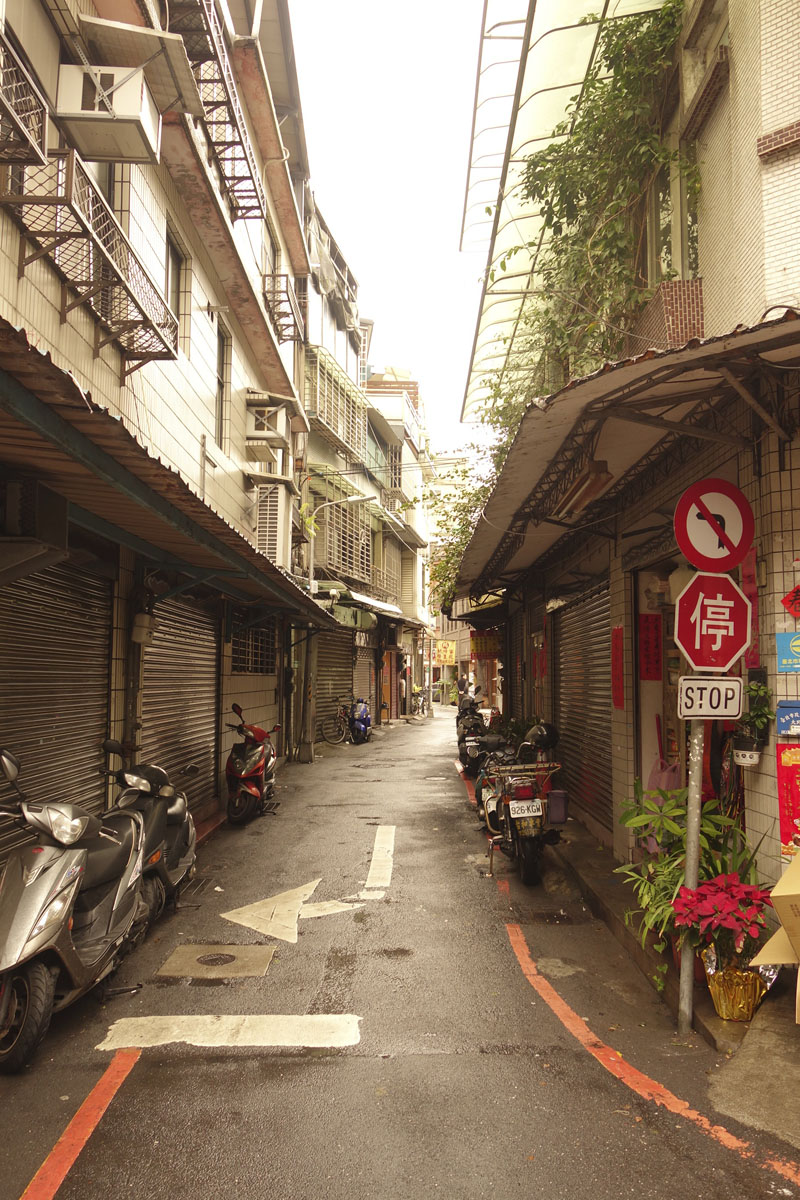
pixel 112 746
pixel 275 728
pixel 237 708
pixel 10 765
pixel 190 770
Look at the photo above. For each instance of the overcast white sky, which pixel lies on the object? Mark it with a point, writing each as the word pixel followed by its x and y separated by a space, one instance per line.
pixel 387 92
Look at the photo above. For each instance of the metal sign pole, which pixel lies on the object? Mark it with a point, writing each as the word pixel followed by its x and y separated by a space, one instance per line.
pixel 697 731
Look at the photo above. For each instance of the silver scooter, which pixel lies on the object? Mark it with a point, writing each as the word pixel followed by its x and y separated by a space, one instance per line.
pixel 70 909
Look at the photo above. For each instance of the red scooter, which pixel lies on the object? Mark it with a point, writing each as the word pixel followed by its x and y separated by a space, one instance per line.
pixel 250 770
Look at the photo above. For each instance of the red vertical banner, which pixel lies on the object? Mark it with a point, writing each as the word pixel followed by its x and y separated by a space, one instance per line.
pixel 789 800
pixel 617 667
pixel 749 585
pixel 650 669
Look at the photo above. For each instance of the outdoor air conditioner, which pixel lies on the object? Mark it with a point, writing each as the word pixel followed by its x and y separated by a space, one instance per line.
pixel 262 439
pixel 129 132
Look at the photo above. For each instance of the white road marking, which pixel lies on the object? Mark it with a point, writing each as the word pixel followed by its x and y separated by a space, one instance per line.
pixel 275 916
pixel 365 895
pixel 319 1030
pixel 380 869
pixel 327 908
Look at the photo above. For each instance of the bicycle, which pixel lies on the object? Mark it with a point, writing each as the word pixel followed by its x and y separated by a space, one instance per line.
pixel 419 702
pixel 336 728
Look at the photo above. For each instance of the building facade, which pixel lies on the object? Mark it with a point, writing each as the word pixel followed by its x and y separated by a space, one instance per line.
pixel 588 556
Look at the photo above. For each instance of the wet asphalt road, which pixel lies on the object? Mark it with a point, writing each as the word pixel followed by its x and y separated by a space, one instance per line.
pixel 463 1084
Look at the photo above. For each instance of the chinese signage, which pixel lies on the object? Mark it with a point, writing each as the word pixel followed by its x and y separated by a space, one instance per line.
pixel 650 647
pixel 788 647
pixel 444 654
pixel 712 622
pixel 789 800
pixel 791 602
pixel 485 645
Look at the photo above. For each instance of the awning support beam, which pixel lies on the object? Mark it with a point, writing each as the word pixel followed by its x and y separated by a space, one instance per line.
pixel 695 431
pixel 756 405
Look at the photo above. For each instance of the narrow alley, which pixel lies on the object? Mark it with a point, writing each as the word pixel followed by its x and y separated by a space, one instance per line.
pixel 346 1005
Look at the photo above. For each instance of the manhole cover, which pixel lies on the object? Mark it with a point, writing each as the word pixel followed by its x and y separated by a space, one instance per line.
pixel 216 960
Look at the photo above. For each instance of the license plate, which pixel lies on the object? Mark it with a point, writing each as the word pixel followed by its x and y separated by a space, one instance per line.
pixel 525 808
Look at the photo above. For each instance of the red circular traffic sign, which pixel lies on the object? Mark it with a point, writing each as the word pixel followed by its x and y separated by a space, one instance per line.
pixel 714 525
pixel 712 622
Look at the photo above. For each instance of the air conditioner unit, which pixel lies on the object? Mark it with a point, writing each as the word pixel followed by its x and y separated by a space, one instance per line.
pixel 130 131
pixel 262 440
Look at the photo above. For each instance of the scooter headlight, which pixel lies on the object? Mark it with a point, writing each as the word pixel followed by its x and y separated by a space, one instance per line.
pixel 66 829
pixel 55 910
pixel 136 781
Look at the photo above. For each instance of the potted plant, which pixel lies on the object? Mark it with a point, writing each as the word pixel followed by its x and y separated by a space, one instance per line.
pixel 751 733
pixel 723 918
pixel 659 820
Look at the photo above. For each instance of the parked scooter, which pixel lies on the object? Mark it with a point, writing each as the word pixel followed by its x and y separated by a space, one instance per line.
pixel 70 909
pixel 470 728
pixel 514 801
pixel 170 838
pixel 360 722
pixel 250 770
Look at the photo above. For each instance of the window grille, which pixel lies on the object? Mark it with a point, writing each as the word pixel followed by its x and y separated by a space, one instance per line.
pixel 254 651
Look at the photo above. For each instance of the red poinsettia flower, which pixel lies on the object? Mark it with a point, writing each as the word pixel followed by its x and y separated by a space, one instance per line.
pixel 723 912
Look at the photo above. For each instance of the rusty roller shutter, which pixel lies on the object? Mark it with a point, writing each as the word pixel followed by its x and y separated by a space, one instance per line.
pixel 583 703
pixel 364 677
pixel 180 699
pixel 334 673
pixel 55 640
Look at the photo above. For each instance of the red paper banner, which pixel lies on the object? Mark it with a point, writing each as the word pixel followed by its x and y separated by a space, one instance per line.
pixel 747 579
pixel 650 647
pixel 617 667
pixel 789 799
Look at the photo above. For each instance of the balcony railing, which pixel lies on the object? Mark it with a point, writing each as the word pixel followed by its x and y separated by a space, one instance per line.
pixel 66 219
pixel 197 22
pixel 335 404
pixel 23 112
pixel 385 584
pixel 284 308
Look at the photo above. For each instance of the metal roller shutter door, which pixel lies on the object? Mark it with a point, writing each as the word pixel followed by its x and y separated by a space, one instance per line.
pixel 334 673
pixel 516 646
pixel 364 677
pixel 55 646
pixel 180 698
pixel 583 703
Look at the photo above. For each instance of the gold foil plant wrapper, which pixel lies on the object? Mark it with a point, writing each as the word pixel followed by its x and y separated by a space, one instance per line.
pixel 735 990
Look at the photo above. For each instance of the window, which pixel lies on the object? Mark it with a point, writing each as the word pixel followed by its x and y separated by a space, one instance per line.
pixel 254 651
pixel 223 384
pixel 172 280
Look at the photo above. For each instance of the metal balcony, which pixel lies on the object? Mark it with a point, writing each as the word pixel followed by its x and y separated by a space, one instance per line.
pixel 197 23
pixel 385 584
pixel 335 404
pixel 284 308
pixel 23 112
pixel 65 218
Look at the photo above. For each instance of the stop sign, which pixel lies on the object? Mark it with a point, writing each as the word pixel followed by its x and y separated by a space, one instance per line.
pixel 712 622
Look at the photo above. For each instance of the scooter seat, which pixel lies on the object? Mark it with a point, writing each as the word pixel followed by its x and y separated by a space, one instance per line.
pixel 176 813
pixel 106 859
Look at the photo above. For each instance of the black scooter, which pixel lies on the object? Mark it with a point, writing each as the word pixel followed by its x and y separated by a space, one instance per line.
pixel 170 839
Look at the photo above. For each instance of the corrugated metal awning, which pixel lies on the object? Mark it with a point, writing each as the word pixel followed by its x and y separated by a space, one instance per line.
pixel 51 429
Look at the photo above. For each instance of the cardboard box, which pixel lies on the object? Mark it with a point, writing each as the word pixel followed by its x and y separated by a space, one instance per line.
pixel 784 946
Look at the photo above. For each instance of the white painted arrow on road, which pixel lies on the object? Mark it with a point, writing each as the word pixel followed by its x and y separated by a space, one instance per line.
pixel 277 916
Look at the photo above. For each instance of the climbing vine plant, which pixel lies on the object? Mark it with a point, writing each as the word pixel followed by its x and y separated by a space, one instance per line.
pixel 592 184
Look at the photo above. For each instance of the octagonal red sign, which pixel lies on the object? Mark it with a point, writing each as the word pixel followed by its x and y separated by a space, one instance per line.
pixel 712 622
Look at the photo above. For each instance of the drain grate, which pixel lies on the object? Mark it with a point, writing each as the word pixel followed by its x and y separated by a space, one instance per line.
pixel 271 806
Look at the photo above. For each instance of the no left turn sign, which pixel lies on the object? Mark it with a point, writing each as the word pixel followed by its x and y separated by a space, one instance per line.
pixel 714 525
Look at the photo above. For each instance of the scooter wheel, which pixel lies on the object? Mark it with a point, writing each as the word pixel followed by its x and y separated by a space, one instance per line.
pixel 529 865
pixel 30 1008
pixel 241 807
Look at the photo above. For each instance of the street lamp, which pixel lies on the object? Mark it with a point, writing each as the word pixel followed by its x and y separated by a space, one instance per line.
pixel 312 587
